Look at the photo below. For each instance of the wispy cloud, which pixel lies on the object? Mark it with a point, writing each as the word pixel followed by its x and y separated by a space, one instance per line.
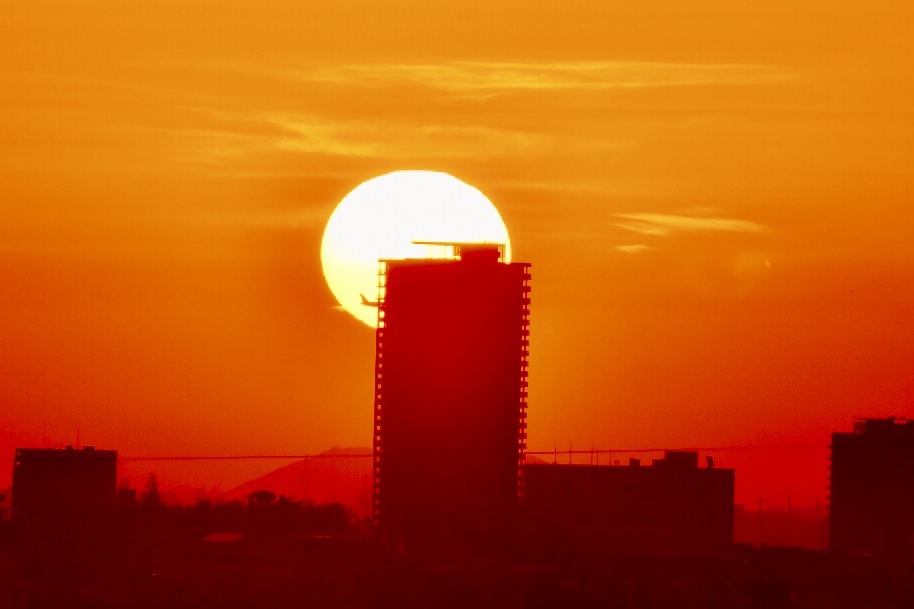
pixel 494 77
pixel 664 224
pixel 634 249
pixel 393 140
pixel 245 137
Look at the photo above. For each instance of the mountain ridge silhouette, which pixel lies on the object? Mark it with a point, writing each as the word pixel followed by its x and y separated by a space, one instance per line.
pixel 326 478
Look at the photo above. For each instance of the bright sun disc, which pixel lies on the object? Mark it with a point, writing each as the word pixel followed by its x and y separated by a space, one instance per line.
pixel 383 216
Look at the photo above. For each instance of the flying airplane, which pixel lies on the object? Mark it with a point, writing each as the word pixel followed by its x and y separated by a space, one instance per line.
pixel 368 303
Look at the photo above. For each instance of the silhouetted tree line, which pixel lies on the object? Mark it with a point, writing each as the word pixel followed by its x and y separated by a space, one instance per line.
pixel 263 511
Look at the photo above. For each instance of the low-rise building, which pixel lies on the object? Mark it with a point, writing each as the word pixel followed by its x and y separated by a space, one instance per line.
pixel 669 507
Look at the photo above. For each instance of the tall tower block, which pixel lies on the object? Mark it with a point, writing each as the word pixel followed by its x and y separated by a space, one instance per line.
pixel 451 395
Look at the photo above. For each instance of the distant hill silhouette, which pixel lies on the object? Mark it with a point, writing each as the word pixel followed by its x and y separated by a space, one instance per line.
pixel 323 479
pixel 346 480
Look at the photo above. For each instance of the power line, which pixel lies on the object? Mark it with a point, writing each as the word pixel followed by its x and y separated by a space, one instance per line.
pixel 601 451
pixel 733 448
pixel 243 457
pixel 587 451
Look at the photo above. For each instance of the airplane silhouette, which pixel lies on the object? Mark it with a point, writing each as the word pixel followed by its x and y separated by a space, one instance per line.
pixel 368 303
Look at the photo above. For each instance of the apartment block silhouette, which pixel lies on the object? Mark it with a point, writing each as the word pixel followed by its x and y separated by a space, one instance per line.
pixel 450 401
pixel 871 497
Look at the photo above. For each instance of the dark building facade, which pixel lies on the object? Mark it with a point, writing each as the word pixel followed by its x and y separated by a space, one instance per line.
pixel 871 497
pixel 669 507
pixel 451 390
pixel 66 489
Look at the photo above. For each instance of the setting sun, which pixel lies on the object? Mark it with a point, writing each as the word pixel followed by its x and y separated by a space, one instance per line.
pixel 383 217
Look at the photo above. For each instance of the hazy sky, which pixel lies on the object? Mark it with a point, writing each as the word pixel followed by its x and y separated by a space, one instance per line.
pixel 716 200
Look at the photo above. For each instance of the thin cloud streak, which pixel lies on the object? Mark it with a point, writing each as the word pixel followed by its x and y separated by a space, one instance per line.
pixel 314 135
pixel 390 140
pixel 664 224
pixel 495 77
pixel 634 249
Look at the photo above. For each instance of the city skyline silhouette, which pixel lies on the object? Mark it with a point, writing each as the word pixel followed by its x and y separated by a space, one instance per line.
pixel 720 200
pixel 715 201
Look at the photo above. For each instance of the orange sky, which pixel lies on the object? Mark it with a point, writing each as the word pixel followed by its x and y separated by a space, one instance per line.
pixel 716 201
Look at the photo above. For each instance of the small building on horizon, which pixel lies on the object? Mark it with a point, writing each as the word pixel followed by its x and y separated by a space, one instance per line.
pixel 871 494
pixel 63 490
pixel 669 507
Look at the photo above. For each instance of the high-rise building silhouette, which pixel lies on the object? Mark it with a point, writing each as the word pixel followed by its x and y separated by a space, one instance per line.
pixel 871 498
pixel 669 507
pixel 63 490
pixel 450 401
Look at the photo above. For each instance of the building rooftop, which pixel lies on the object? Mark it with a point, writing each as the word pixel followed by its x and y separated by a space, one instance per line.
pixel 457 250
pixel 889 429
